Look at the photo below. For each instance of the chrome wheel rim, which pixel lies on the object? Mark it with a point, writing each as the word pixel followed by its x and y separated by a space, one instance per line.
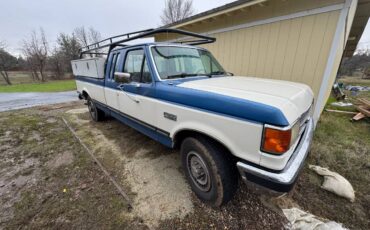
pixel 198 171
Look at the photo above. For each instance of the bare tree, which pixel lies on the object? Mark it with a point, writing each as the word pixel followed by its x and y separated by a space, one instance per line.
pixel 86 36
pixel 7 62
pixel 360 61
pixel 35 49
pixel 176 10
pixel 68 50
pixel 2 45
pixel 94 35
pixel 56 64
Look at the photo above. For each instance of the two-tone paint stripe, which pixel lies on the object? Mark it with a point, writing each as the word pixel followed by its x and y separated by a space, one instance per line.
pixel 223 105
pixel 151 131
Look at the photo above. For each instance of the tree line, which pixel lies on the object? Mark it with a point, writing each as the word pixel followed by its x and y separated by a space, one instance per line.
pixel 360 62
pixel 38 57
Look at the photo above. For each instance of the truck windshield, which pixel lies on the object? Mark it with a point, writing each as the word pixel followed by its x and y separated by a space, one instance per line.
pixel 179 62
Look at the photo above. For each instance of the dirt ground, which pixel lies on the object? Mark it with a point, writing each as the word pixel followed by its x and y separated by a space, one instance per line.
pixel 47 180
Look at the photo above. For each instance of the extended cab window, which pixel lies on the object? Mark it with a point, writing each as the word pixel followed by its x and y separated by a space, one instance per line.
pixel 112 66
pixel 137 66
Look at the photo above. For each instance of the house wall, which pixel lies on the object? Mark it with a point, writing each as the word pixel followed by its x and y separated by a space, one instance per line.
pixel 294 50
pixel 287 40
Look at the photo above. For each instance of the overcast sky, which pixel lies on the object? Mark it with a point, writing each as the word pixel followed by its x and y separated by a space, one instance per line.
pixel 111 17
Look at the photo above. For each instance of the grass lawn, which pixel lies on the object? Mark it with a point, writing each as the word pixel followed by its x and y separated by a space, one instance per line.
pixel 52 86
pixel 343 147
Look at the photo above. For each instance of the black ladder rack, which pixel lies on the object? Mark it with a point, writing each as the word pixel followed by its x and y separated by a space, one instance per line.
pixel 120 39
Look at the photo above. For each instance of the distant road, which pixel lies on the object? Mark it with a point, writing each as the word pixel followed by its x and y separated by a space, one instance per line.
pixel 11 101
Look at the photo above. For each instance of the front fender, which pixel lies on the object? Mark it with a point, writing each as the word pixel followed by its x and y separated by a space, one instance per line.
pixel 241 138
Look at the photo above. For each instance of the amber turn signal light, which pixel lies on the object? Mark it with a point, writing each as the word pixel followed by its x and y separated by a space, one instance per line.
pixel 276 141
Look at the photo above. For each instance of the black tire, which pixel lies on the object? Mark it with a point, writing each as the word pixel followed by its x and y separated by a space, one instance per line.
pixel 95 113
pixel 197 152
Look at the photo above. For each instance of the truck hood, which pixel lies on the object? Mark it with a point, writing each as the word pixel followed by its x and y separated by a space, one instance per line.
pixel 292 99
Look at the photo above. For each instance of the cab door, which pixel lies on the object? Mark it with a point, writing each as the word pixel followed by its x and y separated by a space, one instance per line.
pixel 111 87
pixel 136 98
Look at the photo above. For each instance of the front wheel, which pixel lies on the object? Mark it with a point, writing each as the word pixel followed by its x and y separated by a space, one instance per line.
pixel 95 113
pixel 209 170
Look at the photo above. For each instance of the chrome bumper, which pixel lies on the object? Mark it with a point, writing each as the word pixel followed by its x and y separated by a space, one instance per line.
pixel 284 179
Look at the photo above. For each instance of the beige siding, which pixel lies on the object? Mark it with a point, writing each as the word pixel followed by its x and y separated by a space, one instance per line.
pixel 295 49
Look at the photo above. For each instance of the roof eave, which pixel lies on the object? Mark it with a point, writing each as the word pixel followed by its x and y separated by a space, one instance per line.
pixel 214 12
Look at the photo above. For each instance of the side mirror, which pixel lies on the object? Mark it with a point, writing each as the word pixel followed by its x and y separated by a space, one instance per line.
pixel 121 77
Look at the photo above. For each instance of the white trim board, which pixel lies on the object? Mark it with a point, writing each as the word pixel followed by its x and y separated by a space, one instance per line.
pixel 272 20
pixel 331 59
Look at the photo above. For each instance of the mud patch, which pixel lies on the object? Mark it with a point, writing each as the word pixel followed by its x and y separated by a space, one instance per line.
pixel 51 120
pixel 35 135
pixel 37 192
pixel 77 111
pixel 157 187
pixel 65 158
pixel 13 179
pixel 162 192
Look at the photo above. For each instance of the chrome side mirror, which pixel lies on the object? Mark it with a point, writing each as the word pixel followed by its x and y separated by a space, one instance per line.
pixel 121 77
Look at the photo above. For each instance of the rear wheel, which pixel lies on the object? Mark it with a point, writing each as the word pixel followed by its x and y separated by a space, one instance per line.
pixel 95 113
pixel 209 170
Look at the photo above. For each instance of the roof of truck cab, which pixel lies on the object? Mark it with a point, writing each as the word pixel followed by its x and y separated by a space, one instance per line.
pixel 158 44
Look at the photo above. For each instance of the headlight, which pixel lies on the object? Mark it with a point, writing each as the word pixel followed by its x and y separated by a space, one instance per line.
pixel 278 141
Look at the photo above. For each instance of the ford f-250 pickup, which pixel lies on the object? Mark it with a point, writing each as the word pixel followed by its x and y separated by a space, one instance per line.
pixel 180 96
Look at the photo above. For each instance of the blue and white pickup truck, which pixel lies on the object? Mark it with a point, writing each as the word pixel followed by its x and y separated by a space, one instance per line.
pixel 224 125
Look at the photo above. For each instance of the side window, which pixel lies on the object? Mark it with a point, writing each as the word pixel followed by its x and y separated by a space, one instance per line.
pixel 137 66
pixel 133 63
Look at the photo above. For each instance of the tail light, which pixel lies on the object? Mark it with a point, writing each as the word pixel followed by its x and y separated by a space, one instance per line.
pixel 279 141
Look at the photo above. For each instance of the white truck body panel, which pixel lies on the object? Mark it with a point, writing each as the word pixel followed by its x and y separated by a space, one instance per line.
pixel 94 91
pixel 241 137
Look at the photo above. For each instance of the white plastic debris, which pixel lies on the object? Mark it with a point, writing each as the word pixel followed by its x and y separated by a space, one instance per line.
pixel 306 221
pixel 342 104
pixel 78 111
pixel 333 182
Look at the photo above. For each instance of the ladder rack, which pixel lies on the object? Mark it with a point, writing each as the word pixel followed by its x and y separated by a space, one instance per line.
pixel 119 40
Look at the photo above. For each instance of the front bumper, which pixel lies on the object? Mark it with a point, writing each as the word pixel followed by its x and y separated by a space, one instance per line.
pixel 283 180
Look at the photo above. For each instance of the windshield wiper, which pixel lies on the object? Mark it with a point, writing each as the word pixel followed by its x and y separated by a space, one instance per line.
pixel 216 73
pixel 182 75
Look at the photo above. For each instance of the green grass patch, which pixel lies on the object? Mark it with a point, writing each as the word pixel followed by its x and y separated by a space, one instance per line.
pixel 52 86
pixel 341 146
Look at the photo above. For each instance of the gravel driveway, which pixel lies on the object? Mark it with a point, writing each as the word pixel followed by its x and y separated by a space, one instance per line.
pixel 11 101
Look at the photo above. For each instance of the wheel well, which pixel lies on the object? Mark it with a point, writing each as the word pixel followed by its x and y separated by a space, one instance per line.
pixel 85 95
pixel 181 135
